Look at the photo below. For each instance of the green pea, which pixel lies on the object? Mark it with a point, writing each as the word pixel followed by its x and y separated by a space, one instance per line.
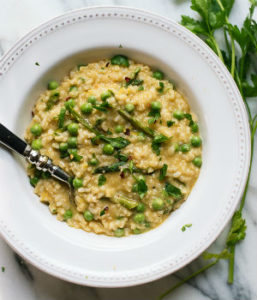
pixel 196 141
pixel 119 232
pixel 119 129
pixel 86 108
pixel 36 129
pixel 70 103
pixel 178 114
pixel 197 161
pixel 91 99
pixel 185 148
pixel 156 105
pixel 129 107
pixel 140 207
pixel 72 142
pixel 67 215
pixel 139 218
pixel 108 149
pixel 63 147
pixel 158 204
pixel 73 129
pixel 77 183
pixel 120 60
pixel 88 215
pixel 93 161
pixel 194 127
pixel 105 95
pixel 33 181
pixel 52 85
pixel 136 231
pixel 158 75
pixel 36 144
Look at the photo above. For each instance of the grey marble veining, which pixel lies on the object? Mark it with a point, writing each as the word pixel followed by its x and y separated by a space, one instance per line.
pixel 18 17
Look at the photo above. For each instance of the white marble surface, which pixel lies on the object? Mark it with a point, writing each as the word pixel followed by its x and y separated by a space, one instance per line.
pixel 17 282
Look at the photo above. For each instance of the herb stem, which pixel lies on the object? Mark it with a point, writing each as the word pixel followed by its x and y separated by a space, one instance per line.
pixel 187 279
pixel 250 168
pixel 231 265
pixel 233 56
pixel 218 51
pixel 232 248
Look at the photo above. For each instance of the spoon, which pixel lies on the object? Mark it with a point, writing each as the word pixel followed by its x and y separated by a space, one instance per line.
pixel 41 162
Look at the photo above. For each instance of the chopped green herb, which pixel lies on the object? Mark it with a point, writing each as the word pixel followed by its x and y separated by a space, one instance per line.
pixel 140 187
pixel 81 65
pixel 53 99
pixel 183 228
pixel 101 180
pixel 170 123
pixel 121 157
pixel 160 89
pixel 102 212
pixel 154 112
pixel 157 142
pixel 173 191
pixel 37 64
pixel 33 181
pixel 163 172
pixel 3 269
pixel 133 80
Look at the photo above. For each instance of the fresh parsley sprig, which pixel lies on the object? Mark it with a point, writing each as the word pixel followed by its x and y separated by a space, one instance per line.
pixel 239 56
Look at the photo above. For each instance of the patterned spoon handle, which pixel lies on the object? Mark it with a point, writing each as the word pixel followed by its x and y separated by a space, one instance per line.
pixel 42 162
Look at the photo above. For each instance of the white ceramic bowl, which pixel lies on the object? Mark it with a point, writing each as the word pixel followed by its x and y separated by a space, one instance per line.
pixel 93 33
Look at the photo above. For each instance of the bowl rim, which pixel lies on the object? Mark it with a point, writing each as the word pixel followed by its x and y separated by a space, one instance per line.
pixel 16 50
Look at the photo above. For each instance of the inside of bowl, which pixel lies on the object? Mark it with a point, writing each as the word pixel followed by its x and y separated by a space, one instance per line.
pixel 62 68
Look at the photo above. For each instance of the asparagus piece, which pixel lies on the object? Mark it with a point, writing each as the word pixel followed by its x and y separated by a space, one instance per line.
pixel 137 124
pixel 108 169
pixel 124 201
pixel 61 117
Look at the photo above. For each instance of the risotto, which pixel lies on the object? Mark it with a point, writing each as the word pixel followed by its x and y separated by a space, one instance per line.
pixel 128 139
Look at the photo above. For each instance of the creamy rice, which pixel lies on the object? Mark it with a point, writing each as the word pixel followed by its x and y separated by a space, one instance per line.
pixel 98 207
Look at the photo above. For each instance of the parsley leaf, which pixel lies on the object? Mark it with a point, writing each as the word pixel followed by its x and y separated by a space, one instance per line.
pixel 157 142
pixel 140 187
pixel 163 172
pixel 160 89
pixel 237 230
pixel 101 180
pixel 183 228
pixel 173 191
pixel 133 80
pixel 225 254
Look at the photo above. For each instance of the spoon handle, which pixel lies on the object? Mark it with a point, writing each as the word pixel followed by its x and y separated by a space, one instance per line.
pixel 11 140
pixel 42 162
